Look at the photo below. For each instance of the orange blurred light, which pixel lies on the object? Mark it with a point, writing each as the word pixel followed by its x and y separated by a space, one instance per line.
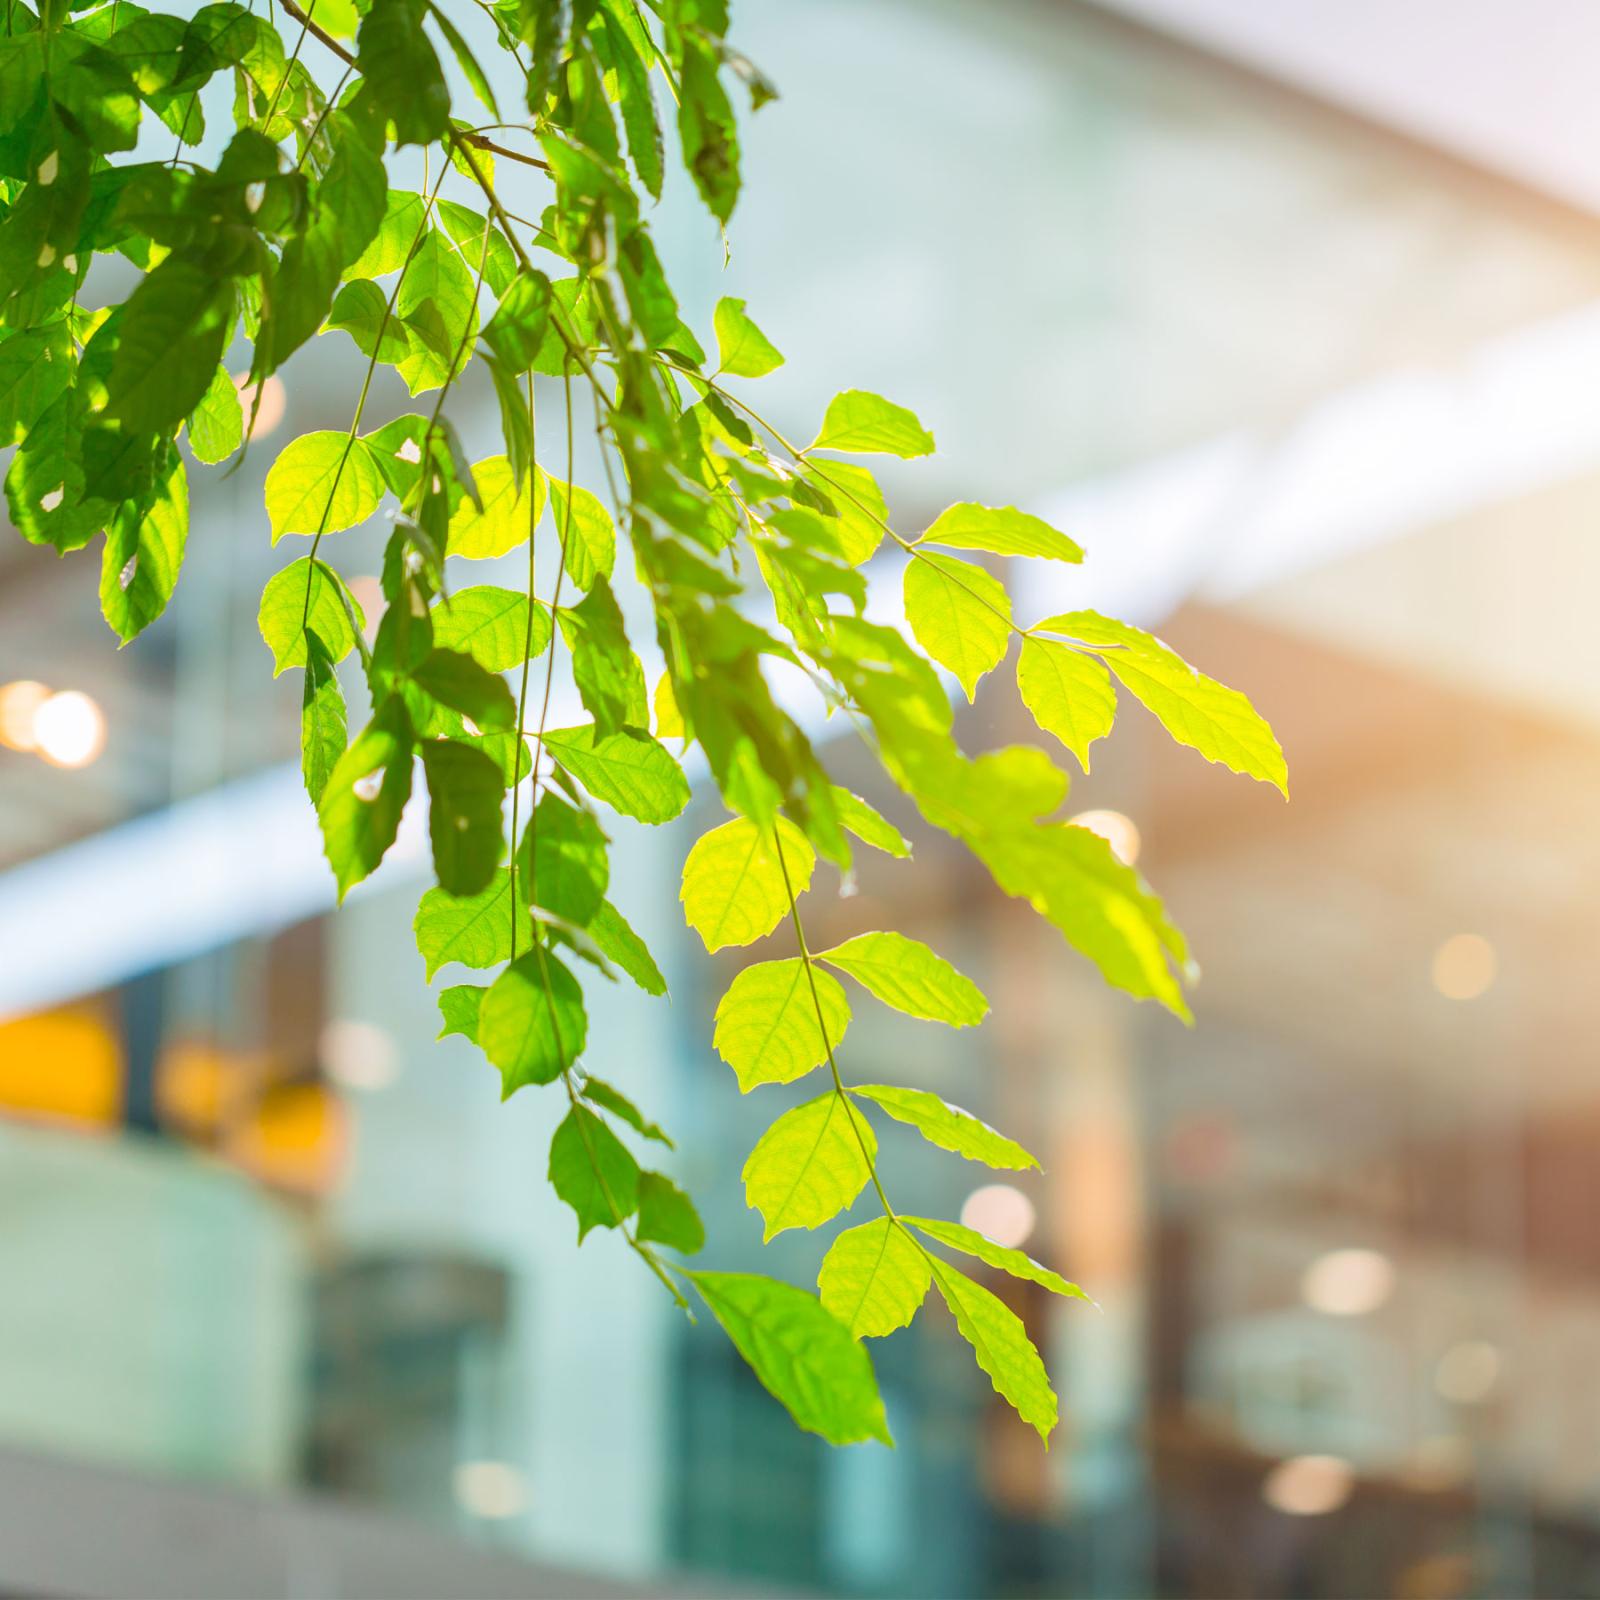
pixel 19 704
pixel 294 1139
pixel 274 399
pixel 1118 831
pixel 65 1066
pixel 1464 967
pixel 69 729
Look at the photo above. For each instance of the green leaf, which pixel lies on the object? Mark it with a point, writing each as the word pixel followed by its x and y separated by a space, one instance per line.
pixel 322 719
pixel 470 70
pixel 907 975
pixel 860 512
pixel 367 791
pixel 35 367
pixel 1001 529
pixel 171 337
pixel 667 1215
pixel 867 825
pixel 459 1006
pixel 810 1164
pixel 947 1126
pixel 321 483
pixel 457 681
pixel 589 541
pixel 402 221
pixel 1014 1262
pixel 402 71
pixel 733 889
pixel 465 824
pixel 620 1106
pixel 867 424
pixel 629 771
pixel 438 303
pixel 216 425
pixel 619 943
pixel 874 1278
pixel 1196 710
pixel 519 325
pixel 767 1028
pixel 562 859
pixel 333 614
pixel 744 350
pixel 139 567
pixel 1069 694
pixel 591 1169
pixel 361 309
pixel 604 667
pixel 492 626
pixel 706 126
pixel 804 1357
pixel 636 101
pixel 960 615
pixel 506 520
pixel 1002 1346
pixel 532 1023
pixel 473 929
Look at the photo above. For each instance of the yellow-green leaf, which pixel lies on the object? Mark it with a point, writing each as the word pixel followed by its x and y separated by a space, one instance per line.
pixel 629 771
pixel 589 538
pixel 1069 694
pixel 745 351
pixel 868 825
pixel 870 425
pixel 506 520
pixel 1001 529
pixel 1196 710
pixel 733 888
pixel 473 929
pixel 906 974
pixel 960 615
pixel 333 616
pixel 531 1024
pixel 856 497
pixel 947 1126
pixel 874 1278
pixel 491 625
pixel 1002 1346
pixel 767 1028
pixel 367 790
pixel 316 487
pixel 592 1170
pixel 803 1356
pixel 1015 1262
pixel 810 1164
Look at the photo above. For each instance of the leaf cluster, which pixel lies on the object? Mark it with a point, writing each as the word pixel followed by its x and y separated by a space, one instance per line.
pixel 748 552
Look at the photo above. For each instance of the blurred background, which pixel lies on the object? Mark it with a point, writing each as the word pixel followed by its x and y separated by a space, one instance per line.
pixel 1290 314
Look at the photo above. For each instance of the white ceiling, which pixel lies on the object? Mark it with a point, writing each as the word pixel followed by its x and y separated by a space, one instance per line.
pixel 1511 84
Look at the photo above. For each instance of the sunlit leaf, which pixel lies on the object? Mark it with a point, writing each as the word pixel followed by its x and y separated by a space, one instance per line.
pixel 960 615
pixel 1001 529
pixel 532 1024
pixel 734 889
pixel 1196 710
pixel 744 351
pixel 907 975
pixel 867 424
pixel 768 1028
pixel 285 615
pixel 810 1164
pixel 1069 694
pixel 322 483
pixel 804 1357
pixel 874 1278
pixel 366 792
pixel 1002 1346
pixel 947 1126
pixel 868 825
pixel 628 771
pixel 591 1169
pixel 1014 1262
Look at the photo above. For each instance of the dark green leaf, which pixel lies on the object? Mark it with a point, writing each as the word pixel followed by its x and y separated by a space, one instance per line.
pixel 667 1215
pixel 591 1170
pixel 532 1024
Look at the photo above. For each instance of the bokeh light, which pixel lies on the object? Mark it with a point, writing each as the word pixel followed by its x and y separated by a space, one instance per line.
pixel 1348 1283
pixel 1002 1212
pixel 1464 966
pixel 1118 831
pixel 69 729
pixel 1308 1486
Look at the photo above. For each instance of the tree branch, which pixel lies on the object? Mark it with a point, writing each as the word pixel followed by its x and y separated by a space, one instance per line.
pixel 478 139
